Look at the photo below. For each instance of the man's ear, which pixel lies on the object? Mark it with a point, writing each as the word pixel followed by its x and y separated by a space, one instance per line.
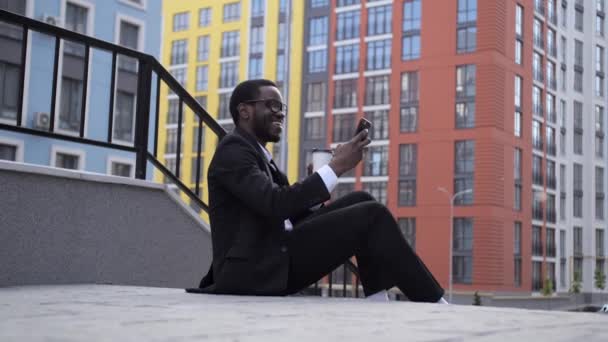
pixel 244 111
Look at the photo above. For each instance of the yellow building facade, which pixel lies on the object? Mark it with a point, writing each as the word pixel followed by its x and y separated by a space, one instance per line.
pixel 211 45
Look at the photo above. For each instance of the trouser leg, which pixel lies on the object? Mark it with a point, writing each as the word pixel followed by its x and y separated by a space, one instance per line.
pixel 364 229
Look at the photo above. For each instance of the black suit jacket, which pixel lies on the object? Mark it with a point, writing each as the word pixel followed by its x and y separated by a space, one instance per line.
pixel 247 214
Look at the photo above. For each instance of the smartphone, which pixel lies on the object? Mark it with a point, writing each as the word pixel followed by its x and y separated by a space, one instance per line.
pixel 363 124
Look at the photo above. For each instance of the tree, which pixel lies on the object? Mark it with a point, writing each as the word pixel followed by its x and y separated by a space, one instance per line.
pixel 600 279
pixel 547 289
pixel 476 299
pixel 575 286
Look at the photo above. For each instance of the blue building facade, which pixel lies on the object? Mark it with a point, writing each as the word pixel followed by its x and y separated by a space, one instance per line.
pixel 132 23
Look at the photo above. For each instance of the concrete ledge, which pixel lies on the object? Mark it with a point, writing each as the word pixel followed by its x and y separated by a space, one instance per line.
pixel 76 174
pixel 122 313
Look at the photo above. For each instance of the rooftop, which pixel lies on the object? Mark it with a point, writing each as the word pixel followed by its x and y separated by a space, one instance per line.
pixel 127 313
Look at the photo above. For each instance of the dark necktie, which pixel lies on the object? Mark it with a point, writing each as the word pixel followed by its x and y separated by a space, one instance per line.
pixel 277 175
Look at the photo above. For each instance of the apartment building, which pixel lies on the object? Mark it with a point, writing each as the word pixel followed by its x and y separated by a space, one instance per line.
pixel 481 146
pixel 211 46
pixel 131 23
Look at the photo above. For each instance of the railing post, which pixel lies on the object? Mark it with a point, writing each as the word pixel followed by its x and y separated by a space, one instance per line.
pixel 142 117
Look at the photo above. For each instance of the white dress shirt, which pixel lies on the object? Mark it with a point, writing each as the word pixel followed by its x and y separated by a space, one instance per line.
pixel 329 177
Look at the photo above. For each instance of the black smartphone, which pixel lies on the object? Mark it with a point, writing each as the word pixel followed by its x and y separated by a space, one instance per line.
pixel 363 124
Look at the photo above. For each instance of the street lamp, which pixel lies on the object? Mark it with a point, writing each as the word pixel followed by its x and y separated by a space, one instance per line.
pixel 452 198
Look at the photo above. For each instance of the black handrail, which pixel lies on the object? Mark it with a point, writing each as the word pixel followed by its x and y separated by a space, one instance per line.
pixel 148 65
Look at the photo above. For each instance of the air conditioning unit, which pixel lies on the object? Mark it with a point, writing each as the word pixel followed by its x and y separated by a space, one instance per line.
pixel 42 120
pixel 50 19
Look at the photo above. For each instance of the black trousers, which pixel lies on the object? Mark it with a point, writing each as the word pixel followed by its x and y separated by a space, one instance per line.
pixel 358 225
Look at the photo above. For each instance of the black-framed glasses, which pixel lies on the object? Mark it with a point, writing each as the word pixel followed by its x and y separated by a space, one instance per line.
pixel 274 105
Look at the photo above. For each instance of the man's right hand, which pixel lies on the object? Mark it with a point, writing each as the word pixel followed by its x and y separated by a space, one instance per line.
pixel 348 155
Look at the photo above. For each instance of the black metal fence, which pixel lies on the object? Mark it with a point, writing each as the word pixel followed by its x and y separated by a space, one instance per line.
pixel 151 78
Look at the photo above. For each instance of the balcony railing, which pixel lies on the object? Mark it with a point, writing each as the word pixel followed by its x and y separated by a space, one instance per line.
pixel 537 214
pixel 551 251
pixel 537 178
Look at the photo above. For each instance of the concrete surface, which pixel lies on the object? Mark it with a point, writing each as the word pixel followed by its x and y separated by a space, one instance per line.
pixel 122 313
pixel 65 227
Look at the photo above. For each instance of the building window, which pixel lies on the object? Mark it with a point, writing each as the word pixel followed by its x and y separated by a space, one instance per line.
pixel 70 104
pixel 562 258
pixel 467 26
pixel 379 120
pixel 348 25
pixel 181 21
pixel 202 53
pixel 193 166
pixel 316 97
pixel 124 117
pixel 67 159
pixel 347 58
pixel 121 169
pixel 599 193
pixel 314 127
pixel 319 3
pixel 550 137
pixel 578 190
pixel 232 12
pixel 230 44
pixel 578 18
pixel 202 78
pixel 179 52
pixel 229 74
pixel 463 170
pixel 537 277
pixel 375 162
pixel 578 66
pixel 599 131
pixel 9 95
pixel 129 37
pixel 407 226
pixel 8 151
pixel 517 167
pixel 550 210
pixel 411 48
pixel 256 44
pixel 204 17
pixel 465 96
pixel 343 127
pixel 195 139
pixel 379 54
pixel 319 29
pixel 377 90
pixel 537 173
pixel 409 102
pixel 172 112
pixel 578 128
pixel 257 8
pixel 517 254
pixel 408 155
pixel 255 67
pixel 462 259
pixel 345 93
pixel 317 61
pixel 223 111
pixel 578 252
pixel 537 244
pixel 379 20
pixel 562 192
pixel 377 190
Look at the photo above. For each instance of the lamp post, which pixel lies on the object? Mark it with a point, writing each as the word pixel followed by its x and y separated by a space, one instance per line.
pixel 452 198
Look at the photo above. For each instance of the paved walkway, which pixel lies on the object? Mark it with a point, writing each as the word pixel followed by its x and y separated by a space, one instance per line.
pixel 123 313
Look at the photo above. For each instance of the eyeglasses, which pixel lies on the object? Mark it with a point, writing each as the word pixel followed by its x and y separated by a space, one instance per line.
pixel 275 106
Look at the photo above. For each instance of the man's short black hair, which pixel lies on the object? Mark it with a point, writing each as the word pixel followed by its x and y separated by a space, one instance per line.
pixel 246 91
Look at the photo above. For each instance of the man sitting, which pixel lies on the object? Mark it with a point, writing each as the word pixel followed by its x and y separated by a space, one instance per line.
pixel 267 240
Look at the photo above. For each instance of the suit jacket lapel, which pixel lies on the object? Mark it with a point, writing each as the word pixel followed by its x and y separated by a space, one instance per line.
pixel 261 156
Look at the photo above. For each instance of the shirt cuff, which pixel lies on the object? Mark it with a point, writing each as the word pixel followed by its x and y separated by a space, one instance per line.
pixel 329 177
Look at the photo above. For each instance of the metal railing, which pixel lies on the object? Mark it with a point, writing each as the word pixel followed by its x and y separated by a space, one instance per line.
pixel 150 75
